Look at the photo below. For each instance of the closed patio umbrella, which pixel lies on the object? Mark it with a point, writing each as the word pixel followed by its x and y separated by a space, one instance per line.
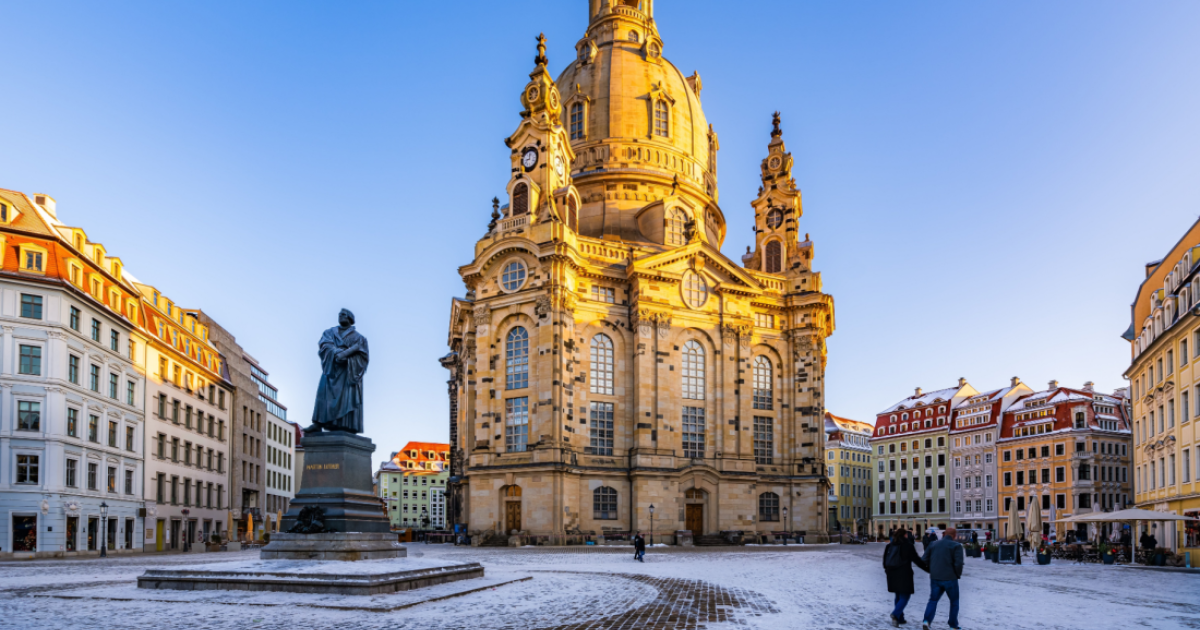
pixel 1014 525
pixel 1033 522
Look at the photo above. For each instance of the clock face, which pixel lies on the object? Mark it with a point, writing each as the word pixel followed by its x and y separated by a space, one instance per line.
pixel 774 219
pixel 530 158
pixel 774 163
pixel 558 166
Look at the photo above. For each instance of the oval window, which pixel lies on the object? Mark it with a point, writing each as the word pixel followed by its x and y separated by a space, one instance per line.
pixel 695 289
pixel 513 276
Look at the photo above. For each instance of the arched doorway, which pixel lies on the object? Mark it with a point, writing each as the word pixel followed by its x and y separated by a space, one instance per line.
pixel 512 508
pixel 694 501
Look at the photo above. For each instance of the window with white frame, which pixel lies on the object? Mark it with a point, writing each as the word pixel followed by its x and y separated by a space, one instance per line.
pixel 676 227
pixel 513 276
pixel 516 359
pixel 602 365
pixel 693 432
pixel 600 419
pixel 764 440
pixel 693 370
pixel 763 383
pixel 516 424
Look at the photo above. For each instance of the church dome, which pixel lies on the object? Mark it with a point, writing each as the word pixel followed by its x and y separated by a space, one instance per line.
pixel 636 126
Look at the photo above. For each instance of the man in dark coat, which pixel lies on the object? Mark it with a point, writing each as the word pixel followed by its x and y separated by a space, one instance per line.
pixel 639 547
pixel 898 558
pixel 945 561
pixel 344 357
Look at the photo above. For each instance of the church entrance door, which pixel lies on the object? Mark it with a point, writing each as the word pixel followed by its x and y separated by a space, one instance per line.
pixel 512 516
pixel 695 519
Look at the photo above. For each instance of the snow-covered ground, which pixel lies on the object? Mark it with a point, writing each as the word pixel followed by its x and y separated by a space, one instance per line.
pixel 769 588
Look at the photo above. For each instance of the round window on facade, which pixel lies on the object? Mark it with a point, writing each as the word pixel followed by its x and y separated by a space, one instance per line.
pixel 774 219
pixel 513 276
pixel 695 289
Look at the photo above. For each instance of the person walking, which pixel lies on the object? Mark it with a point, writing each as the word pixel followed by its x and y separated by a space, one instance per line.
pixel 898 558
pixel 944 559
pixel 639 547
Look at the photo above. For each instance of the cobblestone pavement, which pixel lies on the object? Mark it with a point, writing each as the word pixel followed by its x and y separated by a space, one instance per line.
pixel 588 588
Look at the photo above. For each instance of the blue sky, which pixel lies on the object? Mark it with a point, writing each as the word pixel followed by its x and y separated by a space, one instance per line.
pixel 984 181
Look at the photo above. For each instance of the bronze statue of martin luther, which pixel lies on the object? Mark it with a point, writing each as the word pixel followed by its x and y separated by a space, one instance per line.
pixel 344 358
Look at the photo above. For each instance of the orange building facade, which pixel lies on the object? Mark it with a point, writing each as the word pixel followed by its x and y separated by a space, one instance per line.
pixel 1068 449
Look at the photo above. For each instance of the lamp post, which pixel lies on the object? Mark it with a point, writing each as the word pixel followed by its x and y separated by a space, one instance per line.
pixel 103 529
pixel 651 524
pixel 183 530
pixel 786 529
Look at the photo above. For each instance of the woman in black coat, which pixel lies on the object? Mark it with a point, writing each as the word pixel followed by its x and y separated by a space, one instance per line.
pixel 898 558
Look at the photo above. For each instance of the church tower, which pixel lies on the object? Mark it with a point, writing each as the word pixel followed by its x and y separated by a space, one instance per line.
pixel 607 356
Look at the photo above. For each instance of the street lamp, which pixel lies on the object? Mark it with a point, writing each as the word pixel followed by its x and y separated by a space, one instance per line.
pixel 786 531
pixel 183 530
pixel 103 529
pixel 651 524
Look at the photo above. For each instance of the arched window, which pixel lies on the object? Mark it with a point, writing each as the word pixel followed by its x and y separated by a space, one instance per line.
pixel 676 227
pixel 602 364
pixel 634 37
pixel 520 200
pixel 604 504
pixel 762 383
pixel 774 257
pixel 693 370
pixel 512 492
pixel 516 359
pixel 576 121
pixel 768 507
pixel 572 214
pixel 662 119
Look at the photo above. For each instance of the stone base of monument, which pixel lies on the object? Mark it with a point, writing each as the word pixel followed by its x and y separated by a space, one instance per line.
pixel 345 547
pixel 333 578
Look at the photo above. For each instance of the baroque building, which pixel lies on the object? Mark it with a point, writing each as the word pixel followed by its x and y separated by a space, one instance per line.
pixel 608 357
pixel 412 485
pixel 188 394
pixel 848 463
pixel 72 378
pixel 911 451
pixel 1164 378
pixel 1069 450
pixel 974 432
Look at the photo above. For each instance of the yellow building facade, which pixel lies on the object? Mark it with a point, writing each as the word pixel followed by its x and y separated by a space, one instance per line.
pixel 1164 377
pixel 608 358
pixel 848 465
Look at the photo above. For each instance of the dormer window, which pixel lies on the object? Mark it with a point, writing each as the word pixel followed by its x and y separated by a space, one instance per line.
pixel 662 119
pixel 676 226
pixel 33 258
pixel 576 121
pixel 3 213
pixel 634 37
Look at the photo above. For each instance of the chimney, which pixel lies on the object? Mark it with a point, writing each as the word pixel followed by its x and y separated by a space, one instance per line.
pixel 962 381
pixel 1016 380
pixel 47 203
pixel 918 394
pixel 1089 386
pixel 1053 384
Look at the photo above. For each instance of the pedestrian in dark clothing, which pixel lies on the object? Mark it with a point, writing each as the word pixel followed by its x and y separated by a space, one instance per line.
pixel 945 561
pixel 1151 542
pixel 974 538
pixel 898 558
pixel 639 547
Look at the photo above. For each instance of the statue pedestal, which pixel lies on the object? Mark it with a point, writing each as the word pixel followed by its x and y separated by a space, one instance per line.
pixel 337 478
pixel 339 546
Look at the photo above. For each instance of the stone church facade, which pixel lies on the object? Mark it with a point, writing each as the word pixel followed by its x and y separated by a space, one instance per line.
pixel 608 357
